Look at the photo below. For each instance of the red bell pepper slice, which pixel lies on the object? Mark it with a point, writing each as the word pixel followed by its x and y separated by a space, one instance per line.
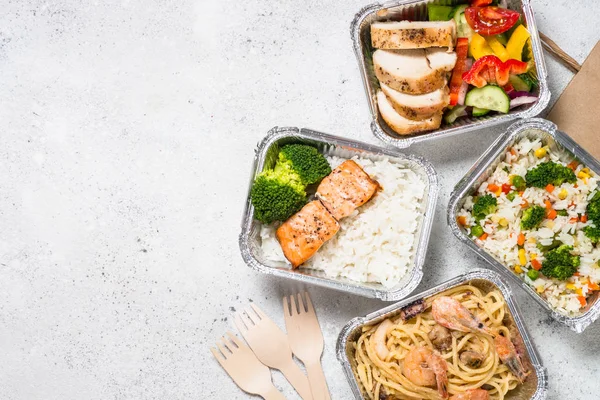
pixel 462 50
pixel 481 3
pixel 491 20
pixel 490 69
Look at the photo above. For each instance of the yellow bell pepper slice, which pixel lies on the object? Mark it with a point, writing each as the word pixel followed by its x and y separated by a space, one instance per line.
pixel 479 47
pixel 497 48
pixel 517 42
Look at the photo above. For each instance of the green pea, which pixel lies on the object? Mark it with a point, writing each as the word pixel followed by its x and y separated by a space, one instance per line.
pixel 533 274
pixel 518 182
pixel 477 230
pixel 511 196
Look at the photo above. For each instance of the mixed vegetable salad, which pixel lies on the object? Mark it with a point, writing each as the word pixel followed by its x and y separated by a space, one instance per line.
pixel 494 71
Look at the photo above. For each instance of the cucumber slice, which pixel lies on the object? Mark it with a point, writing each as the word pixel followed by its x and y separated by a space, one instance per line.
pixel 489 97
pixel 462 26
pixel 520 84
pixel 453 114
pixel 480 112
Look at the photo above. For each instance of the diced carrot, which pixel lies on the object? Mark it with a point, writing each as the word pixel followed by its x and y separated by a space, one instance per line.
pixel 483 237
pixel 576 273
pixel 521 193
pixel 536 264
pixel 521 239
pixel 549 188
pixel 552 213
pixel 462 220
pixel 524 204
pixel 573 220
pixel 548 204
pixel 513 151
pixel 593 286
pixel 582 300
pixel 492 187
pixel 573 165
pixel 584 218
pixel 576 186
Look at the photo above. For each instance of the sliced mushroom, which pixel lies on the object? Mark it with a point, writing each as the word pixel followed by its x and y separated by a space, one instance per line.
pixel 472 359
pixel 441 338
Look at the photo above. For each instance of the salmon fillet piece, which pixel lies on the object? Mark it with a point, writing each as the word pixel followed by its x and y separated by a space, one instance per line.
pixel 305 232
pixel 345 189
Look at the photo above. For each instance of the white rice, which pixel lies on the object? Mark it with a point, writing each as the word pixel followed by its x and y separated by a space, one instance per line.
pixel 563 296
pixel 376 242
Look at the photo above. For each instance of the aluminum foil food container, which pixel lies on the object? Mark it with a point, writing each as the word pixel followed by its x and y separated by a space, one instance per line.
pixel 484 167
pixel 266 155
pixel 536 385
pixel 416 10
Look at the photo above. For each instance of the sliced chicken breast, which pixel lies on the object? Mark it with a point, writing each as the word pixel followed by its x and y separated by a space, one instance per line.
pixel 305 232
pixel 420 106
pixel 441 59
pixel 402 125
pixel 408 71
pixel 345 189
pixel 413 34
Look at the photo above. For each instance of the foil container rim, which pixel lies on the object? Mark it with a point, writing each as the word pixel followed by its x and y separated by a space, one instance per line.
pixel 416 268
pixel 577 323
pixel 477 273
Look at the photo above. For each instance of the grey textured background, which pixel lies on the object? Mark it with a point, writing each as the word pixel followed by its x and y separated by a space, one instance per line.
pixel 127 131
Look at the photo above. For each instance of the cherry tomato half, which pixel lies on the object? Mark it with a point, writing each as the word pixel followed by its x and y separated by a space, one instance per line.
pixel 491 20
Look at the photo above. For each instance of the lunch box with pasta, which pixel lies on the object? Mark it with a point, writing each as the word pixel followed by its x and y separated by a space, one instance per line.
pixel 416 10
pixel 536 385
pixel 484 167
pixel 265 156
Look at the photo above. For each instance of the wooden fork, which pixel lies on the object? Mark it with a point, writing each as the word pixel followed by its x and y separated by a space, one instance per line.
pixel 306 341
pixel 271 346
pixel 244 368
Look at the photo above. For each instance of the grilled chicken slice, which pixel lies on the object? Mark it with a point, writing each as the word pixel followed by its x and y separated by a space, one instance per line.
pixel 419 106
pixel 345 189
pixel 408 71
pixel 402 125
pixel 441 59
pixel 305 232
pixel 413 34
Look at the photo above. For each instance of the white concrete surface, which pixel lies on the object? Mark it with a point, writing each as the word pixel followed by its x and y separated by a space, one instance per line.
pixel 127 131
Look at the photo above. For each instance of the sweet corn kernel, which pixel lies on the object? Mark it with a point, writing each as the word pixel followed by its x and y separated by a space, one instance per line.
pixel 579 292
pixel 540 289
pixel 531 240
pixel 583 175
pixel 533 256
pixel 518 269
pixel 522 258
pixel 541 152
pixel 503 222
pixel 571 286
pixel 563 194
pixel 550 224
pixel 497 192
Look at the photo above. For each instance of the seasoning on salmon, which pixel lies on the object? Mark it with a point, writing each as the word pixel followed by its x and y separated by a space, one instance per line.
pixel 345 189
pixel 305 232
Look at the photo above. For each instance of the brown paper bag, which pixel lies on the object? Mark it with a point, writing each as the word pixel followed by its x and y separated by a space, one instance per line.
pixel 577 111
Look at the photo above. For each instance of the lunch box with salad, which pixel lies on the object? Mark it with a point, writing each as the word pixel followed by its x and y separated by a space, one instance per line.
pixel 522 104
pixel 252 237
pixel 536 383
pixel 584 165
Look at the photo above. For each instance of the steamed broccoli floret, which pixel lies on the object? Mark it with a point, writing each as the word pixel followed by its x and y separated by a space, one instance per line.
pixel 310 165
pixel 560 264
pixel 484 206
pixel 549 172
pixel 593 208
pixel 593 233
pixel 532 217
pixel 276 195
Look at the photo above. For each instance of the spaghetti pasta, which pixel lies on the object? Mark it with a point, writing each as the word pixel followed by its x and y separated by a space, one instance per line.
pixel 379 356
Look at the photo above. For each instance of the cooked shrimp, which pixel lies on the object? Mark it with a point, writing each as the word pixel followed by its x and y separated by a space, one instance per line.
pixel 450 313
pixel 379 339
pixel 425 368
pixel 508 354
pixel 473 394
